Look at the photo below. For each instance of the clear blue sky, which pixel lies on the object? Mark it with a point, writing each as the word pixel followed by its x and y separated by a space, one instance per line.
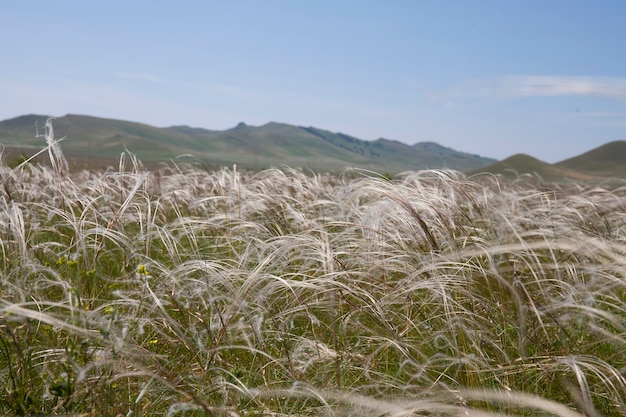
pixel 547 78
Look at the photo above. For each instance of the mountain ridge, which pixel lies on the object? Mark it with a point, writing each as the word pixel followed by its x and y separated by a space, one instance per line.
pixel 90 138
pixel 253 147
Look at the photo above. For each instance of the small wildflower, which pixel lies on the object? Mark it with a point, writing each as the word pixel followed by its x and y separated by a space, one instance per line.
pixel 142 270
pixel 62 260
pixel 153 342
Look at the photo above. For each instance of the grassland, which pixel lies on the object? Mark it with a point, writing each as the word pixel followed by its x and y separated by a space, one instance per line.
pixel 183 291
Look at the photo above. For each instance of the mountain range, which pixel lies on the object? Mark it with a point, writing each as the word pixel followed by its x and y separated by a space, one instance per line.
pixel 92 142
pixel 92 139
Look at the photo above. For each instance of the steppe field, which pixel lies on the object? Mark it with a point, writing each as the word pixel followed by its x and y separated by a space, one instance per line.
pixel 182 291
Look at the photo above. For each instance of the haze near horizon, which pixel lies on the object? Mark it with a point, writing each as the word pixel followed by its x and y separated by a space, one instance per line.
pixel 492 78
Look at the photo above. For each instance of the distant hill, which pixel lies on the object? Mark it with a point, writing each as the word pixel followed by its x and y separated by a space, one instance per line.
pixel 608 160
pixel 521 164
pixel 255 147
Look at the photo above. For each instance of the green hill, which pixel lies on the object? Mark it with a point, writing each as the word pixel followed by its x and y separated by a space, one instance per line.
pixel 608 160
pixel 256 147
pixel 93 136
pixel 521 164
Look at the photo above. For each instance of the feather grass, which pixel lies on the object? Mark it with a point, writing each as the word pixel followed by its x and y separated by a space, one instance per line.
pixel 184 291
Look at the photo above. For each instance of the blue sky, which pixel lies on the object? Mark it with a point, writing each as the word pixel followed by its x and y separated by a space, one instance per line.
pixel 547 78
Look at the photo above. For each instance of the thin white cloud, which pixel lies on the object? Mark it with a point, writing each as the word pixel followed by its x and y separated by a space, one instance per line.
pixel 534 85
pixel 519 86
pixel 591 119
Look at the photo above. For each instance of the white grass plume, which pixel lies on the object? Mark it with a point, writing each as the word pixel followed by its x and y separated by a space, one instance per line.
pixel 203 288
pixel 57 159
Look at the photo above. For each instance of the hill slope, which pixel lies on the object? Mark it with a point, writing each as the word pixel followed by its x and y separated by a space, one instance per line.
pixel 249 146
pixel 520 164
pixel 608 160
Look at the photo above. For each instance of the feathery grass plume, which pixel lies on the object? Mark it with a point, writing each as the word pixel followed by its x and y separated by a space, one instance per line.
pixel 57 159
pixel 453 403
pixel 17 230
pixel 192 292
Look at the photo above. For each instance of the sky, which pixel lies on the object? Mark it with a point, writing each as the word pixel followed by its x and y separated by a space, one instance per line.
pixel 494 78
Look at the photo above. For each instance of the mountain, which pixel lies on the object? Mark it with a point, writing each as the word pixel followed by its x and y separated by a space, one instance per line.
pixel 448 156
pixel 608 160
pixel 520 164
pixel 90 139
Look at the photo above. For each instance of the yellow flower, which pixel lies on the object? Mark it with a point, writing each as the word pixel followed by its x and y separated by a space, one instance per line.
pixel 142 270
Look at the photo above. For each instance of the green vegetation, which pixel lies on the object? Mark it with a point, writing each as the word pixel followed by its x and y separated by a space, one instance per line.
pixel 607 162
pixel 92 139
pixel 525 165
pixel 183 291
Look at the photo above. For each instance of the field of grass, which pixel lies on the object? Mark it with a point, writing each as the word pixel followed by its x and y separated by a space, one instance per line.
pixel 186 292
